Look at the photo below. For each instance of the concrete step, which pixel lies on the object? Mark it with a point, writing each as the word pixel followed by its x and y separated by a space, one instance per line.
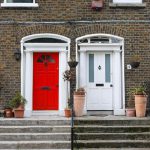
pixel 17 145
pixel 128 122
pixel 35 129
pixel 113 136
pixel 110 149
pixel 32 122
pixel 112 144
pixel 35 136
pixel 110 129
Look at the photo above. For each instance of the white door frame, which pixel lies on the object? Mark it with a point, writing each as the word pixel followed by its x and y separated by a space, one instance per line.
pixel 117 50
pixel 27 50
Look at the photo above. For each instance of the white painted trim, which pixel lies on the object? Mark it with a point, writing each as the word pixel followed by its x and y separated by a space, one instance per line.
pixel 27 50
pixel 100 44
pixel 119 109
pixel 19 5
pixel 98 34
pixel 127 1
pixel 46 35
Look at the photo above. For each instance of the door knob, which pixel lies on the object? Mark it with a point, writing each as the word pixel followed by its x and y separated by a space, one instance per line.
pixel 111 85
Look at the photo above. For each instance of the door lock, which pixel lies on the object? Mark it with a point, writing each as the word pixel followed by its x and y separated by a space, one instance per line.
pixel 99 67
pixel 111 85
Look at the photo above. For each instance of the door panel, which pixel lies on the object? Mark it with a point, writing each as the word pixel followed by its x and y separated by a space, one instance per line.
pixel 45 81
pixel 99 90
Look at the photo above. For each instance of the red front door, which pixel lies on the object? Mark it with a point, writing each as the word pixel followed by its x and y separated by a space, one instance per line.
pixel 45 81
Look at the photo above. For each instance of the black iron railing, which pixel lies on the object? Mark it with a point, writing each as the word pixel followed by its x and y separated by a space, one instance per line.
pixel 72 65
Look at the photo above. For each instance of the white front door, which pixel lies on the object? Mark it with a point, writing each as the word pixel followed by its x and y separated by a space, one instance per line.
pixel 99 81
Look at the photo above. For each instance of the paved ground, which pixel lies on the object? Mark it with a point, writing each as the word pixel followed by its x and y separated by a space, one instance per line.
pixel 100 117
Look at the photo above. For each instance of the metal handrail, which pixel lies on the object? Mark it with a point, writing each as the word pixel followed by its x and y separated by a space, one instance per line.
pixel 72 65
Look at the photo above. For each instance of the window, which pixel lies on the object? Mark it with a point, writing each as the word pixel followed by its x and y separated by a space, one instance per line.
pixel 19 3
pixel 127 1
pixel 91 67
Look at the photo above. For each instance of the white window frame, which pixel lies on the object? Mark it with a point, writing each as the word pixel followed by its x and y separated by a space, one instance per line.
pixel 127 1
pixel 6 4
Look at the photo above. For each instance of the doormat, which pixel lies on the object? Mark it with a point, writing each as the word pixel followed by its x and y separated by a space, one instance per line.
pixel 99 115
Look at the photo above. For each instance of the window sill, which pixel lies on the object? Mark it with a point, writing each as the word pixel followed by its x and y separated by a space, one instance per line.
pixel 126 5
pixel 19 5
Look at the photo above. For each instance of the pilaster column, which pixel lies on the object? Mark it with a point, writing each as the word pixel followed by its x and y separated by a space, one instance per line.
pixel 28 83
pixel 63 95
pixel 83 74
pixel 118 106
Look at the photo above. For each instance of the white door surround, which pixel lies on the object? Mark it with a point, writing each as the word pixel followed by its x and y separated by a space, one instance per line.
pixel 103 43
pixel 27 50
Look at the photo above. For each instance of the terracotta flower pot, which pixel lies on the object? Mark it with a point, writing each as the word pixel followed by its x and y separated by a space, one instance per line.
pixel 67 113
pixel 140 105
pixel 130 112
pixel 8 113
pixel 79 101
pixel 19 113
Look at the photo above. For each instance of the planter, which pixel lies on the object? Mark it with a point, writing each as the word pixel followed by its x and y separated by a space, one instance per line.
pixel 135 64
pixel 79 101
pixel 67 113
pixel 8 113
pixel 140 105
pixel 72 64
pixel 130 112
pixel 19 113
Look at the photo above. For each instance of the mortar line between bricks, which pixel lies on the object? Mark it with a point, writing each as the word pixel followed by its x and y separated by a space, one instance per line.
pixel 77 22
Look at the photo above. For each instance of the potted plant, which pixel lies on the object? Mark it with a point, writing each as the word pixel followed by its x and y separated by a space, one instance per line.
pixel 68 109
pixel 140 101
pixel 72 63
pixel 79 100
pixel 135 61
pixel 68 76
pixel 8 111
pixel 130 110
pixel 18 103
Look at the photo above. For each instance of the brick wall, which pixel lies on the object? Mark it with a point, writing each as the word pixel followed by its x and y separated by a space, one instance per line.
pixel 26 21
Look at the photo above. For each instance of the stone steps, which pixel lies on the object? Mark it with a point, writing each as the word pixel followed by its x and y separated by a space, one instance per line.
pixel 28 122
pixel 35 129
pixel 34 145
pixel 112 144
pixel 34 134
pixel 114 136
pixel 114 129
pixel 121 122
pixel 100 134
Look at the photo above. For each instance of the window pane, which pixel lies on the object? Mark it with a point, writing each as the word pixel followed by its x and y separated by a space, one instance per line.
pixel 107 68
pixel 91 67
pixel 127 1
pixel 19 1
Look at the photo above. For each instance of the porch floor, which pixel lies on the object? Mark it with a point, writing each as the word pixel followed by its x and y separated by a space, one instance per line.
pixel 93 117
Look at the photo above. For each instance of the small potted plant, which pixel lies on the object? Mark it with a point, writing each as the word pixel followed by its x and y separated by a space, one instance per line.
pixel 18 103
pixel 79 100
pixel 68 76
pixel 68 109
pixel 8 111
pixel 140 101
pixel 130 110
pixel 135 61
